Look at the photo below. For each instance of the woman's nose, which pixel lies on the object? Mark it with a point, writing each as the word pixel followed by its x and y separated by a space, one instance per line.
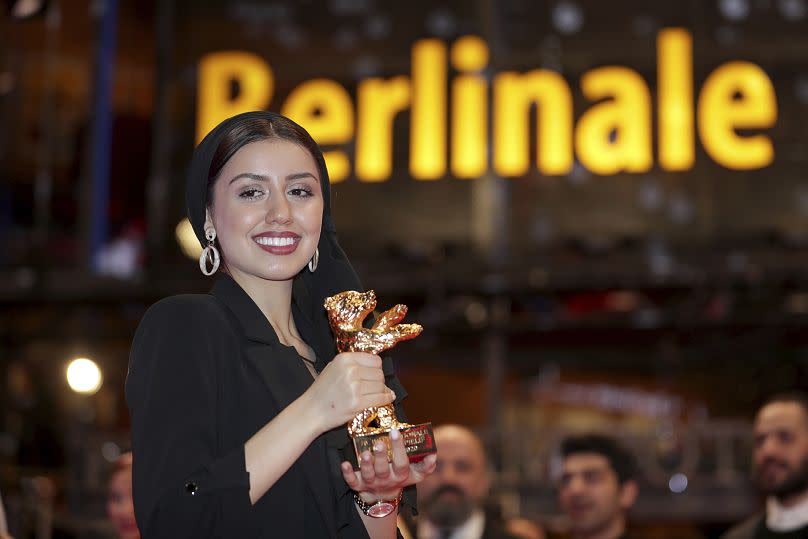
pixel 279 211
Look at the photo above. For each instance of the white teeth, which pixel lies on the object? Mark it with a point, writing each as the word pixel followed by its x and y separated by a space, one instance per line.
pixel 275 242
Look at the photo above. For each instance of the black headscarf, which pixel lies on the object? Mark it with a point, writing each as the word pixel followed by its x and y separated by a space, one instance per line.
pixel 334 272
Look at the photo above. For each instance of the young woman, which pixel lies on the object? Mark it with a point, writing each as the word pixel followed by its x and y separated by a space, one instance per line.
pixel 238 401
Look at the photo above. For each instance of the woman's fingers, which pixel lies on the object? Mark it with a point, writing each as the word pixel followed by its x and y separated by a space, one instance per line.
pixel 364 359
pixel 349 475
pixel 371 374
pixel 377 475
pixel 366 387
pixel 400 463
pixel 366 469
pixel 376 399
pixel 381 466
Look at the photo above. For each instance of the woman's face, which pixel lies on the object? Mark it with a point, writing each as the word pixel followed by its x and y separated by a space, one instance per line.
pixel 267 210
pixel 119 505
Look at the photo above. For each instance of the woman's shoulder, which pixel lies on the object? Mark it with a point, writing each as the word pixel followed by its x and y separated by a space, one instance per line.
pixel 187 322
pixel 184 311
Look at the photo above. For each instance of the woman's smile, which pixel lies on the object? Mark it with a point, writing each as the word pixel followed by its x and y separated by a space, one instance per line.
pixel 278 243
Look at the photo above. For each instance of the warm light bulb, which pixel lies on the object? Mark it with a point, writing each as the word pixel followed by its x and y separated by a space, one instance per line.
pixel 84 376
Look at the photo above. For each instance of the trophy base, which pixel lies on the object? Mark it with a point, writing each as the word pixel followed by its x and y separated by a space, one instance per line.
pixel 419 441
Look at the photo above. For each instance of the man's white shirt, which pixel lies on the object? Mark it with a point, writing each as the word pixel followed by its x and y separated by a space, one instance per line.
pixel 785 519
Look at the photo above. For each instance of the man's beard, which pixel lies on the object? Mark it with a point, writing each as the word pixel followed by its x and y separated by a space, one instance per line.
pixel 794 483
pixel 447 507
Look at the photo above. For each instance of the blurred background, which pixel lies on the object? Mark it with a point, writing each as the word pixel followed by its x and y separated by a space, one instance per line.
pixel 644 276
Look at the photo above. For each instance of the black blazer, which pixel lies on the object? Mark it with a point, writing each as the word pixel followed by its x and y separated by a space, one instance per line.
pixel 205 373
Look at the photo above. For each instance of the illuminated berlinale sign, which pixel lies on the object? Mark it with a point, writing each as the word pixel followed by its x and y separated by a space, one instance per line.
pixel 613 135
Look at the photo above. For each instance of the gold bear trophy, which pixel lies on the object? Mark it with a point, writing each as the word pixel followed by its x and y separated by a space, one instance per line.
pixel 346 313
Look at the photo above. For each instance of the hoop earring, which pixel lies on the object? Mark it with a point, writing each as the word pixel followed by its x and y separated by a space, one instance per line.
pixel 209 253
pixel 314 260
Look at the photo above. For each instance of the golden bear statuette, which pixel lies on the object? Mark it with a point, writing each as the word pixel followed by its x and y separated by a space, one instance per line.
pixel 346 314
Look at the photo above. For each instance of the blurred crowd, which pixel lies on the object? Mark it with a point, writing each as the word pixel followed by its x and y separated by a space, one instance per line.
pixel 596 487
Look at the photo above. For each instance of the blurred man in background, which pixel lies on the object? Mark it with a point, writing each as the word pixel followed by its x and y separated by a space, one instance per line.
pixel 597 486
pixel 780 470
pixel 451 500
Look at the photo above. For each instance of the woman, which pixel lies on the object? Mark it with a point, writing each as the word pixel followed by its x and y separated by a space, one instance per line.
pixel 3 526
pixel 238 401
pixel 119 499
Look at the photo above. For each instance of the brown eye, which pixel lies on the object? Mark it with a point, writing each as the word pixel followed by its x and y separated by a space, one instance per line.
pixel 250 193
pixel 300 192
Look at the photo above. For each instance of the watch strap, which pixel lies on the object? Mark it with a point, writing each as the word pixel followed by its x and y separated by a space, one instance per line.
pixel 379 508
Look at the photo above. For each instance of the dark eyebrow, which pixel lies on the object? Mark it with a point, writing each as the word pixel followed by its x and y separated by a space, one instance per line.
pixel 300 176
pixel 260 178
pixel 250 176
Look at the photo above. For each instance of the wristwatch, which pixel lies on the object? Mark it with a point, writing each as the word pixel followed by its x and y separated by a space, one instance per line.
pixel 380 508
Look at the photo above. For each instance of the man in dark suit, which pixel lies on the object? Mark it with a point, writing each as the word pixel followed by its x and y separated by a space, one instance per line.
pixel 780 470
pixel 597 486
pixel 451 500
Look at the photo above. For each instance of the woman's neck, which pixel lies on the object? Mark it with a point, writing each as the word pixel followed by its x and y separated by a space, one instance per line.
pixel 274 298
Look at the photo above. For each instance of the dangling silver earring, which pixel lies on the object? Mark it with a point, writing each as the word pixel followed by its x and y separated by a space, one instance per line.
pixel 314 260
pixel 209 253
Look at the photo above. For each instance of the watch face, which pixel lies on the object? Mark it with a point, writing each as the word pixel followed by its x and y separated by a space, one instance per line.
pixel 381 509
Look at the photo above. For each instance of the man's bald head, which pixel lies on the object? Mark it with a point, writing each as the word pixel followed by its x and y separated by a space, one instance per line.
pixel 460 482
pixel 452 434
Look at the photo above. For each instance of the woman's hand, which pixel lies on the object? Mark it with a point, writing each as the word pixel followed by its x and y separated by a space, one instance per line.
pixel 378 479
pixel 352 382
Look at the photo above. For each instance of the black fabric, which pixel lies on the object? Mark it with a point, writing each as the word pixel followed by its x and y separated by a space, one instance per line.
pixel 765 533
pixel 755 528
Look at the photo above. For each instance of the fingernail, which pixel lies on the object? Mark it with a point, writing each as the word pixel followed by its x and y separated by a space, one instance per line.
pixel 394 434
pixel 378 447
pixel 366 455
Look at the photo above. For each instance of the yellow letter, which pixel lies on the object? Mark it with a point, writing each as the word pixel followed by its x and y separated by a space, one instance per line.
pixel 324 109
pixel 675 99
pixel 513 96
pixel 428 120
pixel 627 116
pixel 217 72
pixel 469 109
pixel 720 114
pixel 379 102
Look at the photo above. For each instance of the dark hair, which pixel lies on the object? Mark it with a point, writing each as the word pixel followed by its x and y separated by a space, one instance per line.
pixel 793 396
pixel 620 459
pixel 258 129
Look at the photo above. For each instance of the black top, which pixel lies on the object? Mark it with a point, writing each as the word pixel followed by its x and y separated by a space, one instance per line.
pixel 206 372
pixel 763 532
pixel 755 528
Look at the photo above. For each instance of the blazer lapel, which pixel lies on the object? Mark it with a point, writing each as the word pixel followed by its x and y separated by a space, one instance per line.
pixel 286 378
